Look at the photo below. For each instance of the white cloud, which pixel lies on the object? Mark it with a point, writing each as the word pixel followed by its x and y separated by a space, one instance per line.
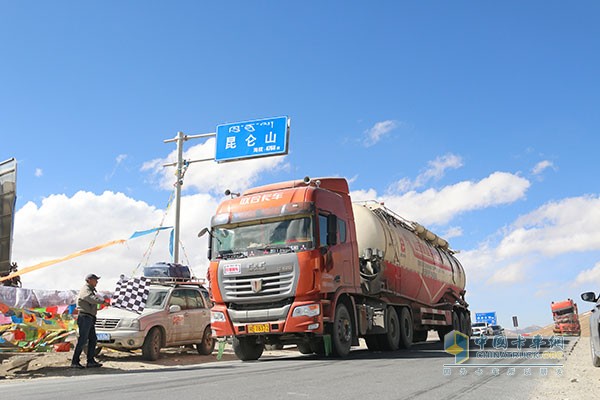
pixel 435 171
pixel 572 224
pixel 38 172
pixel 118 160
pixel 441 206
pixel 541 167
pixel 555 229
pixel 63 225
pixel 210 177
pixel 378 131
pixel 452 232
pixel 589 277
pixel 510 274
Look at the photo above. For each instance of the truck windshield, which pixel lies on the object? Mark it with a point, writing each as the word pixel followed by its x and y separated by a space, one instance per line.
pixel 289 235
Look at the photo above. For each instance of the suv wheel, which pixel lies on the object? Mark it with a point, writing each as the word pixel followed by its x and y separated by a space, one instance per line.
pixel 207 345
pixel 152 344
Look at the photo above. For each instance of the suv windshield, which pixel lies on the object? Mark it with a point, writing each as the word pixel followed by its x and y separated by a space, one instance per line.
pixel 478 325
pixel 263 237
pixel 156 298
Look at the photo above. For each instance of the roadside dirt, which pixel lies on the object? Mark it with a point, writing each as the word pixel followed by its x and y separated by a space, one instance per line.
pixel 38 365
pixel 580 379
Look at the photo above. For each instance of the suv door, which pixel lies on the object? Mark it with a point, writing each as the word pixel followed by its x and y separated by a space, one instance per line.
pixel 197 316
pixel 177 321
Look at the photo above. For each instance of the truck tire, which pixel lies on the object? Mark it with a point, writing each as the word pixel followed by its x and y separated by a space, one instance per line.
pixel 406 328
pixel 372 342
pixel 463 322
pixel 247 348
pixel 207 345
pixel 342 331
pixel 455 321
pixel 318 346
pixel 304 348
pixel 443 331
pixel 152 344
pixel 420 336
pixel 391 340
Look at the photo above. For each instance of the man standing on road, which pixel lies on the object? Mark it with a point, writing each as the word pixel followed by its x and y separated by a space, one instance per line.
pixel 87 302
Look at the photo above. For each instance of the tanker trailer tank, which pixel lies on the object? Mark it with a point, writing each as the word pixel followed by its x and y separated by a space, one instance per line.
pixel 402 258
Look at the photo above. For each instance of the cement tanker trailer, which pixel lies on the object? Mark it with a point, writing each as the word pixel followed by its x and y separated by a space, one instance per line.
pixel 298 263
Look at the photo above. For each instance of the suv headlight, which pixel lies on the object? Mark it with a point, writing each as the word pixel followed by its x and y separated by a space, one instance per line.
pixel 217 316
pixel 311 310
pixel 130 323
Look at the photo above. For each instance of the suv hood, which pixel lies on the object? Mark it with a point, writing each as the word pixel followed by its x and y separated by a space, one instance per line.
pixel 113 312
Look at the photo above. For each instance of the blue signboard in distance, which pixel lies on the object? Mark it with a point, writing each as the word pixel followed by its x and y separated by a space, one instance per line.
pixel 252 139
pixel 489 317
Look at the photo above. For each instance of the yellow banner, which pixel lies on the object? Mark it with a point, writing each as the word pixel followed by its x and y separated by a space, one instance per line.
pixel 58 260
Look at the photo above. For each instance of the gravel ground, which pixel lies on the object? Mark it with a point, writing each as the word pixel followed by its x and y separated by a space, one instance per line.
pixel 36 365
pixel 580 379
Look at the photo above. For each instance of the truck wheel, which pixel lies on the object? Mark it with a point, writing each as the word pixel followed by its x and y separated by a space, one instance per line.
pixel 318 346
pixel 406 329
pixel 247 348
pixel 342 331
pixel 420 336
pixel 304 348
pixel 207 345
pixel 463 322
pixel 373 342
pixel 152 343
pixel 442 332
pixel 455 321
pixel 391 340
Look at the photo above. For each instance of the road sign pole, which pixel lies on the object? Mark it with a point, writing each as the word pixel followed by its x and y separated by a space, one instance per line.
pixel 178 173
pixel 179 139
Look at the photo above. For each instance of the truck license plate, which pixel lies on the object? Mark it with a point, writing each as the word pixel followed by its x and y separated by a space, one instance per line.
pixel 103 336
pixel 258 328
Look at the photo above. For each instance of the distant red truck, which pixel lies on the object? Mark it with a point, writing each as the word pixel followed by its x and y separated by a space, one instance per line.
pixel 566 318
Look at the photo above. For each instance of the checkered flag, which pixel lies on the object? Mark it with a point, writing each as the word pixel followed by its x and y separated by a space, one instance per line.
pixel 131 294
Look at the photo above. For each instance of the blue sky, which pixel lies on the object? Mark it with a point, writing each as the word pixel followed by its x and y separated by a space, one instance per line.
pixel 477 119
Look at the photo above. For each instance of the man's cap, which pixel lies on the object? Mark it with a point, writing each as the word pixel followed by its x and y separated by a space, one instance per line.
pixel 92 276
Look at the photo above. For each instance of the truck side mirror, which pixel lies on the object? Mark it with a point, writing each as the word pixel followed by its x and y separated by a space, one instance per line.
pixel 331 230
pixel 589 296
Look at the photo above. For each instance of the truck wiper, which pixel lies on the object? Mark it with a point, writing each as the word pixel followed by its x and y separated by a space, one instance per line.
pixel 229 254
pixel 276 249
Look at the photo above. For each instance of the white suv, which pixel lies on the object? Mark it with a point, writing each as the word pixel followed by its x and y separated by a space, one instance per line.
pixel 175 315
pixel 481 328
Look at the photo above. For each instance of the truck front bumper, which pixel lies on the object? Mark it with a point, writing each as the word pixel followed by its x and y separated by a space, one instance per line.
pixel 223 324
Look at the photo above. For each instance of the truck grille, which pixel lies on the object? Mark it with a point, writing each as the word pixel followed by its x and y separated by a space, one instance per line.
pixel 268 286
pixel 107 323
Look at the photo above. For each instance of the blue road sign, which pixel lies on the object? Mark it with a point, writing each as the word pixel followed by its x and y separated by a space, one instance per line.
pixel 251 139
pixel 489 317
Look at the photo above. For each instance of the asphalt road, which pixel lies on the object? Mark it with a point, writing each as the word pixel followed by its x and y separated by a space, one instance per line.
pixel 419 373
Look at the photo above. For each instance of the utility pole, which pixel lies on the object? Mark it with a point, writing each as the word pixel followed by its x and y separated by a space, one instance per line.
pixel 180 138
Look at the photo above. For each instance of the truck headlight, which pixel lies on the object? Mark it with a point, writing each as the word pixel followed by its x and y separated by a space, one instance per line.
pixel 311 310
pixel 217 316
pixel 130 323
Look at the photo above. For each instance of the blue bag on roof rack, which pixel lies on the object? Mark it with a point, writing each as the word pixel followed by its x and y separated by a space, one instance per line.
pixel 167 270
